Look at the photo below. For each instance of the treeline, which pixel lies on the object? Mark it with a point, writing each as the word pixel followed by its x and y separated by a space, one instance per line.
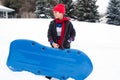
pixel 81 10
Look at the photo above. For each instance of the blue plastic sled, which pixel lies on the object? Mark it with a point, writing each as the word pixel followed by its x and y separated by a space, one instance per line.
pixel 27 55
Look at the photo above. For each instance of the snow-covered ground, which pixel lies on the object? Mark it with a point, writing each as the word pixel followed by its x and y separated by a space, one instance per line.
pixel 101 42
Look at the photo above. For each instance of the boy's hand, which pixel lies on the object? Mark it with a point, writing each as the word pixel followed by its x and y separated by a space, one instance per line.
pixel 55 45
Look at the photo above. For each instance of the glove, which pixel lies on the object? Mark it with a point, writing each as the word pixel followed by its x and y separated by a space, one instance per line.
pixel 69 40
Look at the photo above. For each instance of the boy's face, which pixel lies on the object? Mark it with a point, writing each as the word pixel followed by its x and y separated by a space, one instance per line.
pixel 58 14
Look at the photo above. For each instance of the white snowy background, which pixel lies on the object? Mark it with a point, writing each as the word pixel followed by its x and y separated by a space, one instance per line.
pixel 101 42
pixel 103 4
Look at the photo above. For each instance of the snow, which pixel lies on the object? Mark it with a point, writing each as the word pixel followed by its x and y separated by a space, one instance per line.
pixel 103 4
pixel 101 42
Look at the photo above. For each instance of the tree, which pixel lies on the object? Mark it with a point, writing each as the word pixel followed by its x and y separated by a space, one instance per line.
pixel 70 8
pixel 44 8
pixel 86 10
pixel 113 12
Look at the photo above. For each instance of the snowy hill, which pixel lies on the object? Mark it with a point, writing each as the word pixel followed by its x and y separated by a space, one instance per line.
pixel 101 42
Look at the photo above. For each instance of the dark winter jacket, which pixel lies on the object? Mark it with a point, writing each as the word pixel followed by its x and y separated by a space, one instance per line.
pixel 68 34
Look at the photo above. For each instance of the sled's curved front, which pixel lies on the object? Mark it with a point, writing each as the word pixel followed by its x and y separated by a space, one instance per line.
pixel 27 55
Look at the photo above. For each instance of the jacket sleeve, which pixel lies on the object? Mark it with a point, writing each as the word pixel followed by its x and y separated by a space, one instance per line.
pixel 49 34
pixel 72 32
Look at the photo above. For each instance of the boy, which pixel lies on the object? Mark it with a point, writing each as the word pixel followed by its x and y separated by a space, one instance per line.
pixel 61 31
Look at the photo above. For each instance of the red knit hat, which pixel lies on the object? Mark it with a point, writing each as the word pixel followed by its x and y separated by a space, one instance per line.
pixel 60 8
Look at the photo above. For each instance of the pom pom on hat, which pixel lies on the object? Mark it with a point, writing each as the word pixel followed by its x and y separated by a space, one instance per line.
pixel 60 8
